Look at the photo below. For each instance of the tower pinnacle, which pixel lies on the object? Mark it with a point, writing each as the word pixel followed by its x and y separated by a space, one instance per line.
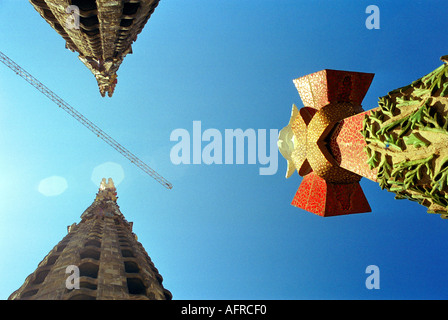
pixel 107 191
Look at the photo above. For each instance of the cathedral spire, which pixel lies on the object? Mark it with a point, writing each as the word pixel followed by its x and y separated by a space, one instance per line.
pixel 111 264
pixel 101 31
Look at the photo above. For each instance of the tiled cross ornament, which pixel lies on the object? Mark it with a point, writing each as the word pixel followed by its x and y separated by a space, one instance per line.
pixel 320 139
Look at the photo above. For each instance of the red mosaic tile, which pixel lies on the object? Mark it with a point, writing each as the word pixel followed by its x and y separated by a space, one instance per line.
pixel 347 144
pixel 347 86
pixel 311 194
pixel 331 86
pixel 325 199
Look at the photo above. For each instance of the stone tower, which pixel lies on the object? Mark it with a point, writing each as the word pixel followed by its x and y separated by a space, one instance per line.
pixel 101 31
pixel 99 259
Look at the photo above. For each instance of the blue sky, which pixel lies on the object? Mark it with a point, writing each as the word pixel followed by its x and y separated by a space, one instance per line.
pixel 223 231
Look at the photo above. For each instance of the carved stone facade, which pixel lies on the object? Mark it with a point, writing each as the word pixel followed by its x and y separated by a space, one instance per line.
pixel 112 264
pixel 101 31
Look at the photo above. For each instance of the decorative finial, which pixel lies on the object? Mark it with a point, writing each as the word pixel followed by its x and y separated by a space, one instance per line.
pixel 110 184
pixel 107 191
pixel 103 184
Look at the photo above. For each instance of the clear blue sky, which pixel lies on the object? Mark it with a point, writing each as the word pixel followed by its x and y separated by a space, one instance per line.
pixel 223 231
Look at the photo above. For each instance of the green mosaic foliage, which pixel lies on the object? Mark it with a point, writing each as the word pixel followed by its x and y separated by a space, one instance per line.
pixel 386 128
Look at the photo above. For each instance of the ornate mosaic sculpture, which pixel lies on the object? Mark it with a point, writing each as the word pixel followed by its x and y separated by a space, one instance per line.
pixel 402 144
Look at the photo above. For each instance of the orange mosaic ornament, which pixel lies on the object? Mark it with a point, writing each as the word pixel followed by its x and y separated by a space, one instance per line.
pixel 323 141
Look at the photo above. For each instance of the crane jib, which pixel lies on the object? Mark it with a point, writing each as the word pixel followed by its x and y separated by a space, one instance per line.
pixel 83 120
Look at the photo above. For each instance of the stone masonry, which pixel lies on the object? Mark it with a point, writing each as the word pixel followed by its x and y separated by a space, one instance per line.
pixel 101 31
pixel 112 264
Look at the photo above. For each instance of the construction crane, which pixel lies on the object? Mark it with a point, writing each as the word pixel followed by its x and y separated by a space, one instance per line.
pixel 83 120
